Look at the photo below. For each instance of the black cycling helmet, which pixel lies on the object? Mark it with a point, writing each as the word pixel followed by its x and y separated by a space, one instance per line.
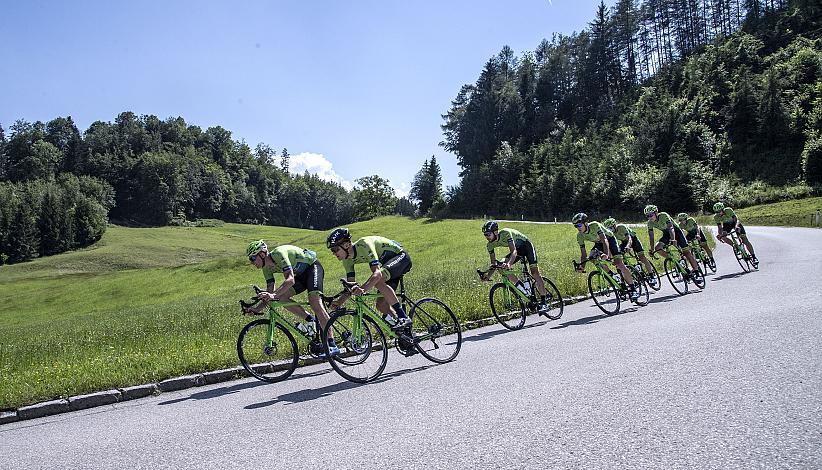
pixel 337 236
pixel 490 226
pixel 579 218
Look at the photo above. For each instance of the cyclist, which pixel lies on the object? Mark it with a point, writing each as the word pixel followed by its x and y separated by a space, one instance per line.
pixel 520 248
pixel 727 221
pixel 388 261
pixel 693 231
pixel 604 242
pixel 628 240
pixel 301 271
pixel 670 233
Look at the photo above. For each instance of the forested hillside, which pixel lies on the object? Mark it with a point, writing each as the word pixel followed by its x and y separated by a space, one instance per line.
pixel 58 187
pixel 677 102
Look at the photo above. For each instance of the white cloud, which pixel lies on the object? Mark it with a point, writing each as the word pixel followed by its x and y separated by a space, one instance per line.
pixel 402 190
pixel 317 164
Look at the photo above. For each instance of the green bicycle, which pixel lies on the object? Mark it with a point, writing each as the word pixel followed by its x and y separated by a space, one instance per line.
pixel 632 261
pixel 702 256
pixel 363 335
pixel 741 253
pixel 677 272
pixel 511 303
pixel 608 288
pixel 267 347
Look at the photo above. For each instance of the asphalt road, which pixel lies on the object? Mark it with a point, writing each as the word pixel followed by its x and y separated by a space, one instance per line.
pixel 725 378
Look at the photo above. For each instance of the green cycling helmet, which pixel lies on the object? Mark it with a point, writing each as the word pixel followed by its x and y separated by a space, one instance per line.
pixel 718 207
pixel 609 223
pixel 579 218
pixel 255 247
pixel 682 216
pixel 490 226
pixel 650 208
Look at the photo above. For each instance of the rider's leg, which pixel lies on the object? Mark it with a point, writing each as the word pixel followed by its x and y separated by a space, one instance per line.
pixel 538 280
pixel 645 262
pixel 626 273
pixel 747 244
pixel 691 258
pixel 707 249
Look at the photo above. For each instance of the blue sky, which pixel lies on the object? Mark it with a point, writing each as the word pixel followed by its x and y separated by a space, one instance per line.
pixel 351 88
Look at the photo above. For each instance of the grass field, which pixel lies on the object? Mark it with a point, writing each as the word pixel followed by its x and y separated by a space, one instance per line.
pixel 143 305
pixel 796 213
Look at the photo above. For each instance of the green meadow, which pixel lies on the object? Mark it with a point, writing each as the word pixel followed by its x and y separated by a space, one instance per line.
pixel 147 304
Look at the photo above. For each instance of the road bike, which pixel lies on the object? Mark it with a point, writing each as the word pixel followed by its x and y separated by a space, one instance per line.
pixel 744 258
pixel 607 287
pixel 702 256
pixel 677 271
pixel 512 302
pixel 364 336
pixel 632 261
pixel 267 347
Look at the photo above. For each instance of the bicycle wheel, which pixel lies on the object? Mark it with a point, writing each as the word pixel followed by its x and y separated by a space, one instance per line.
pixel 269 363
pixel 436 330
pixel 363 352
pixel 707 263
pixel 654 274
pixel 698 277
pixel 604 293
pixel 553 300
pixel 507 306
pixel 675 277
pixel 641 287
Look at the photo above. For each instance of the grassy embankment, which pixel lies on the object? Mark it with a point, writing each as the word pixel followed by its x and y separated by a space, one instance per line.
pixel 143 305
pixel 795 213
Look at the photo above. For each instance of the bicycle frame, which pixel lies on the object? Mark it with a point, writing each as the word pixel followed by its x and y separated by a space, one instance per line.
pixel 511 287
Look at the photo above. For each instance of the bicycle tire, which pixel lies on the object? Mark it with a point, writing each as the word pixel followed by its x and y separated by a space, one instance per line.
pixel 350 363
pixel 511 309
pixel 554 300
pixel 604 293
pixel 436 330
pixel 642 286
pixel 678 282
pixel 252 348
pixel 654 274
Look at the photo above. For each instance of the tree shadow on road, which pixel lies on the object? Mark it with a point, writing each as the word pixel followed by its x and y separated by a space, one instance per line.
pixel 315 393
pixel 593 318
pixel 664 298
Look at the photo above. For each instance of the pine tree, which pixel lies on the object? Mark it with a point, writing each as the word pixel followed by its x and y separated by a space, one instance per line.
pixel 284 160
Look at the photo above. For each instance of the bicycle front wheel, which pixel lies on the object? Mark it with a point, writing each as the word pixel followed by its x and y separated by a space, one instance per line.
pixel 553 300
pixel 269 361
pixel 507 306
pixel 743 258
pixel 675 277
pixel 604 293
pixel 363 352
pixel 436 330
pixel 641 286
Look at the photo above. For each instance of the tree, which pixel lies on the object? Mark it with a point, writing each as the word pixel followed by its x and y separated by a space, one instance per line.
pixel 373 197
pixel 284 160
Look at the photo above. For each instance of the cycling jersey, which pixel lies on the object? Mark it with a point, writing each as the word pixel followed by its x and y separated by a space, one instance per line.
pixel 622 231
pixel 662 221
pixel 725 217
pixel 690 225
pixel 370 250
pixel 506 235
pixel 289 258
pixel 592 232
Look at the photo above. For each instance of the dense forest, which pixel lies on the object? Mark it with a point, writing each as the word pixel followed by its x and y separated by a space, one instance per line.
pixel 676 102
pixel 59 188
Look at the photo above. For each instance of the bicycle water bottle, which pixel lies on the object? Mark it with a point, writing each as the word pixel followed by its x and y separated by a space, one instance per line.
pixel 307 328
pixel 618 278
pixel 522 287
pixel 527 285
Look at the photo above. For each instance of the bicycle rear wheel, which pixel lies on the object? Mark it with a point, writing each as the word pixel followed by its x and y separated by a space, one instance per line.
pixel 604 293
pixel 654 274
pixel 553 300
pixel 675 277
pixel 507 306
pixel 269 362
pixel 363 351
pixel 436 330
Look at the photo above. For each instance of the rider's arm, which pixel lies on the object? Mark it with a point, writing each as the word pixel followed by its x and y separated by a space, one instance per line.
pixel 493 258
pixel 513 252
pixel 604 241
pixel 583 255
pixel 288 282
pixel 376 277
pixel 651 240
